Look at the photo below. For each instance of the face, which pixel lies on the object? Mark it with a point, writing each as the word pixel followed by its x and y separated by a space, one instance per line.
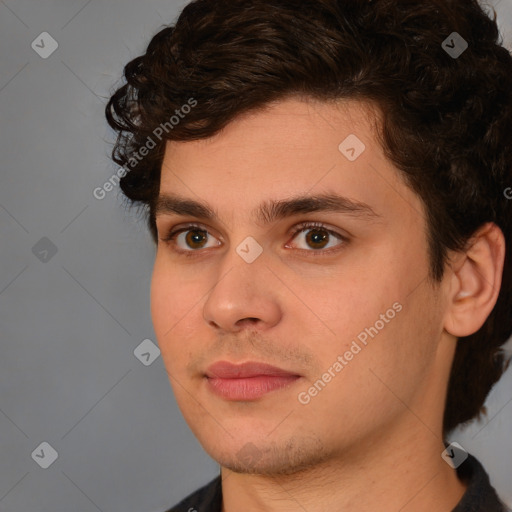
pixel 334 293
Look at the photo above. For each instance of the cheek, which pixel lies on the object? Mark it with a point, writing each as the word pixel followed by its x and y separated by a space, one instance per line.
pixel 384 309
pixel 171 301
pixel 172 295
pixel 160 299
pixel 350 303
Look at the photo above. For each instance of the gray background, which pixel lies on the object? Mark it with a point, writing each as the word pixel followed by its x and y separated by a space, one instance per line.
pixel 71 321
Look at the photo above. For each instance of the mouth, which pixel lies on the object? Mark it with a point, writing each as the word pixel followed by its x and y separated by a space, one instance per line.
pixel 247 381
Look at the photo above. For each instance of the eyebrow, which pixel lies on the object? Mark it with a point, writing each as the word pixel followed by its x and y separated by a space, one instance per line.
pixel 271 210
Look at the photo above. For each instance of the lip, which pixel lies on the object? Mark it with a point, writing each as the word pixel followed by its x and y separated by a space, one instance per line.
pixel 246 381
pixel 227 370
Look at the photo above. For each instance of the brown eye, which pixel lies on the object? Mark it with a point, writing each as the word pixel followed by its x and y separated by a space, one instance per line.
pixel 317 237
pixel 196 236
pixel 190 239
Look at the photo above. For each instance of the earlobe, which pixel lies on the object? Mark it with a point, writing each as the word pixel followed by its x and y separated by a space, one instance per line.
pixel 475 281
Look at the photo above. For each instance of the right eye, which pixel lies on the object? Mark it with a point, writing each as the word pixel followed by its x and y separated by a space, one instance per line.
pixel 188 239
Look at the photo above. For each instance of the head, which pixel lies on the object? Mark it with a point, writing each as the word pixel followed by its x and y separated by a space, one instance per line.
pixel 241 104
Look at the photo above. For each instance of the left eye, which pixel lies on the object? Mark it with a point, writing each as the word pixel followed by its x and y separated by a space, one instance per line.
pixel 316 236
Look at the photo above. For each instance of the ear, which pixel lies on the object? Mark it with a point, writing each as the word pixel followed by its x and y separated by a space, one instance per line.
pixel 475 280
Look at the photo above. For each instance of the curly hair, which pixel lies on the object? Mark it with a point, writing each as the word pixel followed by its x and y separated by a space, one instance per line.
pixel 446 123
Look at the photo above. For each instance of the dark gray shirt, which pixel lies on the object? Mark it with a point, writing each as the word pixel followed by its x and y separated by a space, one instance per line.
pixel 480 496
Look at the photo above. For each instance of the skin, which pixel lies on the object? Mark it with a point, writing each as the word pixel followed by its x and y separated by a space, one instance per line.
pixel 375 430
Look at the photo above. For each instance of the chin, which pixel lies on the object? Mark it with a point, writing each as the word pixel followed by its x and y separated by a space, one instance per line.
pixel 264 458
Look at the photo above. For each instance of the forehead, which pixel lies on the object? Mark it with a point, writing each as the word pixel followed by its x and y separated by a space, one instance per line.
pixel 290 148
pixel 291 129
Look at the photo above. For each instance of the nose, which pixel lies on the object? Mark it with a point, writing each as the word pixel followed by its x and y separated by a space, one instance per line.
pixel 245 296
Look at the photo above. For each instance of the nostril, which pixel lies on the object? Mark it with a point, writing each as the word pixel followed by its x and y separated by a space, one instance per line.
pixel 251 320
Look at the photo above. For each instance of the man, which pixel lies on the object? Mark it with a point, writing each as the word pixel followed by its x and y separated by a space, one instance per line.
pixel 325 184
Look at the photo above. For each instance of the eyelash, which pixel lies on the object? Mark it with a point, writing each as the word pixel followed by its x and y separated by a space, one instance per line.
pixel 305 226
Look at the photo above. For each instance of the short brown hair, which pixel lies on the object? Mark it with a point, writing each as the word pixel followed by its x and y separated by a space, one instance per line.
pixel 447 120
